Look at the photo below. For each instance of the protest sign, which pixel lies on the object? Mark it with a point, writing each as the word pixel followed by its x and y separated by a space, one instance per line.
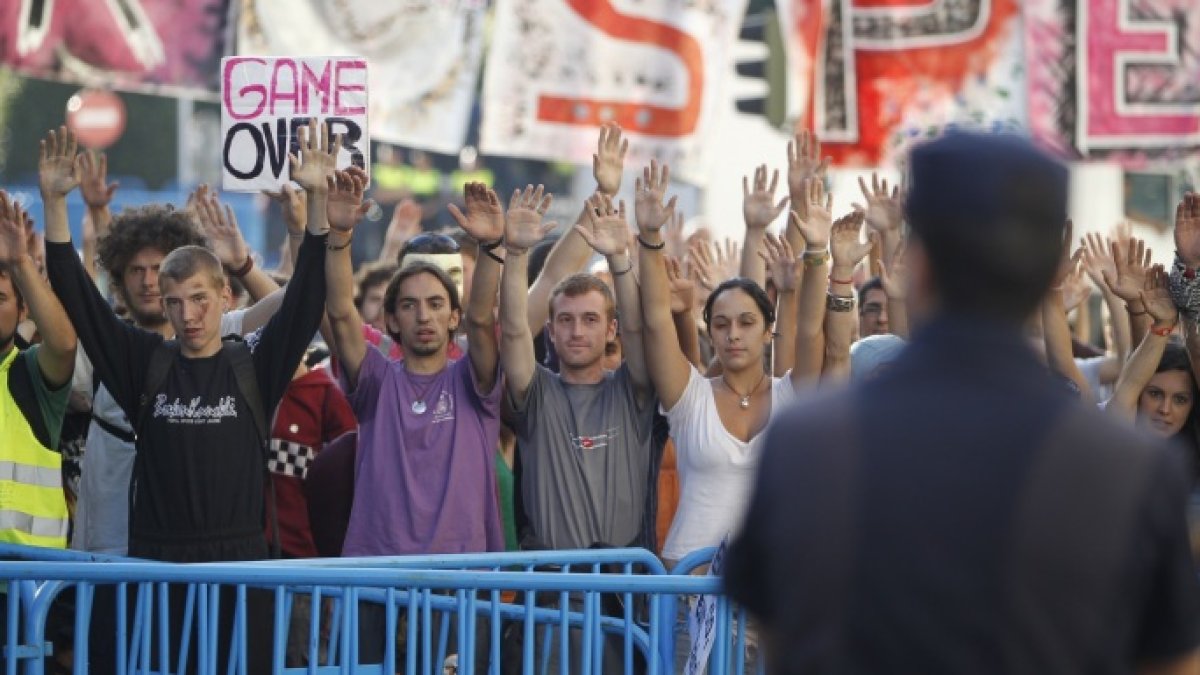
pixel 265 100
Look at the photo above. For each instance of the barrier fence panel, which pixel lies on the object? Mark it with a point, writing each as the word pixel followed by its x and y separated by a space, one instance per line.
pixel 596 614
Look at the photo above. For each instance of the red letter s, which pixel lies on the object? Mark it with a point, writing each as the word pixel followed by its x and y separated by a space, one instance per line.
pixel 636 117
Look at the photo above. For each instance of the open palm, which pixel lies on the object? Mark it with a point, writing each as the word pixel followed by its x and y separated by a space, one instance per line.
pixel 648 207
pixel 759 209
pixel 605 229
pixel 523 227
pixel 58 166
pixel 846 243
pixel 1187 229
pixel 316 160
pixel 12 231
pixel 484 219
pixel 816 227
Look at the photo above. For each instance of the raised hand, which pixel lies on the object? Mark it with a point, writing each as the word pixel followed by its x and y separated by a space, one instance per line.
pixel 294 206
pixel 815 228
pixel 609 160
pixel 783 266
pixel 729 258
pixel 673 235
pixel 1075 287
pixel 317 159
pixel 683 289
pixel 1187 229
pixel 523 227
pixel 220 226
pixel 845 243
pixel 93 185
pixel 884 210
pixel 1132 265
pixel 759 209
pixel 1157 299
pixel 605 229
pixel 649 190
pixel 804 162
pixel 484 219
pixel 405 224
pixel 701 265
pixel 892 279
pixel 58 165
pixel 346 206
pixel 1097 260
pixel 1066 261
pixel 13 235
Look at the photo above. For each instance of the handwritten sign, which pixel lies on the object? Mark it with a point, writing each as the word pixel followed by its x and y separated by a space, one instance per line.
pixel 265 100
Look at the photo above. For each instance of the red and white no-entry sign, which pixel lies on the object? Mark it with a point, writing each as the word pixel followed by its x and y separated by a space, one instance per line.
pixel 97 117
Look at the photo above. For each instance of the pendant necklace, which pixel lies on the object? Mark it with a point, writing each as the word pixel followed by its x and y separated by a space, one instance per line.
pixel 418 406
pixel 744 401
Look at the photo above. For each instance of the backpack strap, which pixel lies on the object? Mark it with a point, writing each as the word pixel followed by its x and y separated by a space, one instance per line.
pixel 247 382
pixel 156 374
pixel 20 387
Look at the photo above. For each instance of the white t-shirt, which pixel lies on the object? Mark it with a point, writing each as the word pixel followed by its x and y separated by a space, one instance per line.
pixel 716 470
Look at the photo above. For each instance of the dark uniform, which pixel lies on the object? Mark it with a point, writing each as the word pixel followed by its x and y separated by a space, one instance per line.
pixel 963 513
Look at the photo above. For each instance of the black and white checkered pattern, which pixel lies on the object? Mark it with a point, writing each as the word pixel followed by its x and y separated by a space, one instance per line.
pixel 289 459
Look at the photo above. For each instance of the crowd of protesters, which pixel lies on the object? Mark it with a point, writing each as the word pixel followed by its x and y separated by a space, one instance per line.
pixel 492 388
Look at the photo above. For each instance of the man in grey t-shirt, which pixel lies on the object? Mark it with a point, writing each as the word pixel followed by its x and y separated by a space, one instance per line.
pixel 583 434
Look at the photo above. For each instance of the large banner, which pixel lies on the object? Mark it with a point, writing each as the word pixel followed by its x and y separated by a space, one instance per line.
pixel 1115 79
pixel 424 54
pixel 872 77
pixel 558 69
pixel 129 42
pixel 264 101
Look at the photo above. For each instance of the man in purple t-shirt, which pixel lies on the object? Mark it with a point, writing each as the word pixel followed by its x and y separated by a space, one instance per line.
pixel 425 479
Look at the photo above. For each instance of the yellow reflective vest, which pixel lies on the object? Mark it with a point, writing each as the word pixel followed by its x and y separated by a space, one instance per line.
pixel 33 510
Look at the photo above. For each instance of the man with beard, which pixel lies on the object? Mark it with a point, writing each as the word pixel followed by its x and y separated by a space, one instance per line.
pixel 428 424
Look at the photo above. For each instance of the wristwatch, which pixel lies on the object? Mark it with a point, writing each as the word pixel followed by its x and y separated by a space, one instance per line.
pixel 838 303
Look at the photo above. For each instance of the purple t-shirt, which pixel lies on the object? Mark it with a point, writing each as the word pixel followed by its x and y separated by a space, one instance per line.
pixel 425 482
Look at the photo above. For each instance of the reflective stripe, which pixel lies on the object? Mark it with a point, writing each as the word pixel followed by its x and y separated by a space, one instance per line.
pixel 38 527
pixel 31 475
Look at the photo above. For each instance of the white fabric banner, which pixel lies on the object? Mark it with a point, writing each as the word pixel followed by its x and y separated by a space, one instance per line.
pixel 424 54
pixel 558 69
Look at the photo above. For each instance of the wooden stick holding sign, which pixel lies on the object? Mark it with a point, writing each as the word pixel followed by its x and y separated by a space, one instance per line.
pixel 266 100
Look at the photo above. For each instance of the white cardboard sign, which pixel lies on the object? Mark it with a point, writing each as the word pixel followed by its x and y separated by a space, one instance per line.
pixel 265 100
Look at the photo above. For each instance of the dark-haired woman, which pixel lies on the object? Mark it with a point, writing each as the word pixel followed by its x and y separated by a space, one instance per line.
pixel 1156 389
pixel 715 422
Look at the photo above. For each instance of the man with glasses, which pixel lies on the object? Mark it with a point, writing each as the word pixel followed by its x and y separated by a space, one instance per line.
pixel 873 309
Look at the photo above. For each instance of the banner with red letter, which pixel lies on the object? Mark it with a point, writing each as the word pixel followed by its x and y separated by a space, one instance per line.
pixel 872 77
pixel 265 100
pixel 558 69
pixel 425 57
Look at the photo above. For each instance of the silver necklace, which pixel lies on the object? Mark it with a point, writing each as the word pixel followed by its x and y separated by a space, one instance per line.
pixel 418 406
pixel 744 401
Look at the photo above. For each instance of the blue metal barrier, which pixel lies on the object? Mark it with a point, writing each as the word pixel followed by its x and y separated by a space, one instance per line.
pixel 462 588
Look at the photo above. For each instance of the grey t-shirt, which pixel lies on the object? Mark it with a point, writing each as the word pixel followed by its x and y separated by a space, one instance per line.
pixel 585 455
